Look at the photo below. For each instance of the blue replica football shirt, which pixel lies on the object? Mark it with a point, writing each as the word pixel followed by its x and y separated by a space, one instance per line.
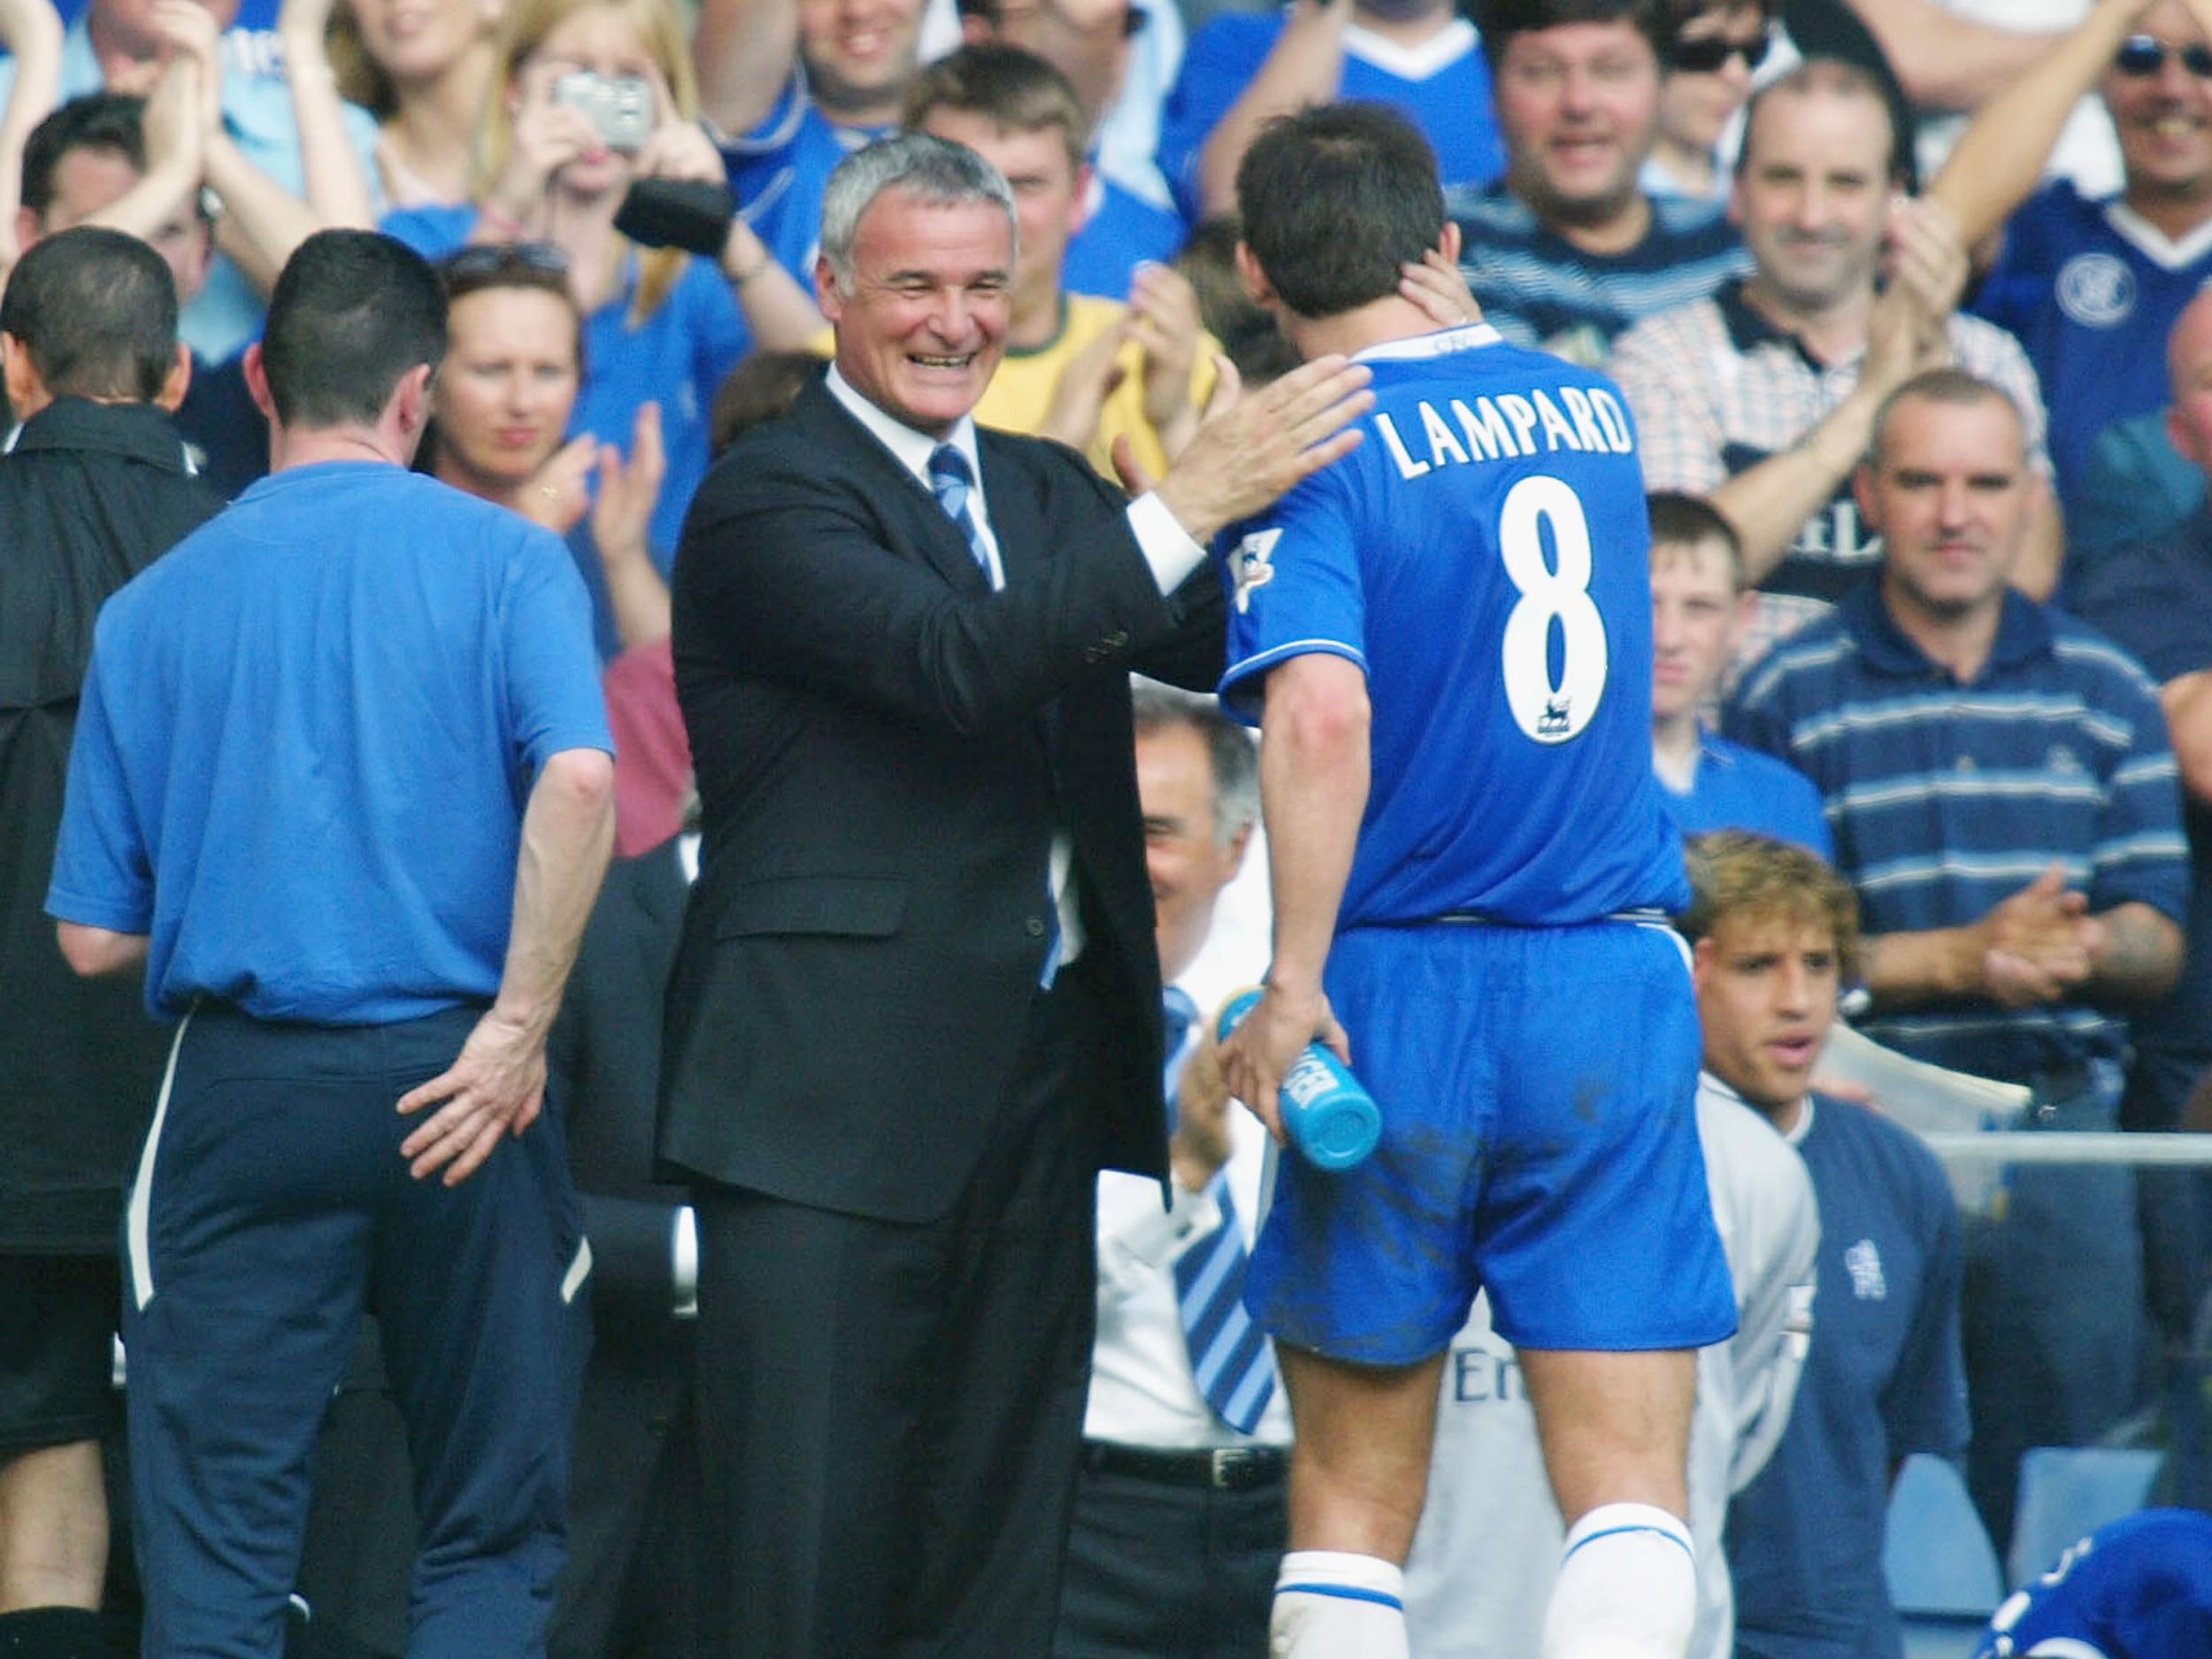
pixel 1123 232
pixel 1739 788
pixel 1442 87
pixel 2140 1588
pixel 306 739
pixel 2093 289
pixel 1483 557
pixel 780 170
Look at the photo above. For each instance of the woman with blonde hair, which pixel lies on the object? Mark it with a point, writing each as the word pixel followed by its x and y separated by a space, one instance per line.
pixel 588 96
pixel 424 71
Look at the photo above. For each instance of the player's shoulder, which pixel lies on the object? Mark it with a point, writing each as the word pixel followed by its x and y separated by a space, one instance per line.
pixel 1764 774
pixel 2093 656
pixel 1807 661
pixel 1477 360
pixel 1743 1153
pixel 1882 1152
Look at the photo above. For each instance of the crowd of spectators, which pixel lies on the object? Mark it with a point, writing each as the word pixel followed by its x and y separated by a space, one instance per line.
pixel 1906 309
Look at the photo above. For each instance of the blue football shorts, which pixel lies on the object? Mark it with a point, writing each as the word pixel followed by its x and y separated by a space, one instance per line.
pixel 1537 1090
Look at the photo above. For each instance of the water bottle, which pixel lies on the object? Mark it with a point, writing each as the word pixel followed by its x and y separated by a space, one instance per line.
pixel 1329 1117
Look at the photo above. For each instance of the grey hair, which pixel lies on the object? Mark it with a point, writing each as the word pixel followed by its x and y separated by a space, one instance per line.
pixel 1236 762
pixel 937 170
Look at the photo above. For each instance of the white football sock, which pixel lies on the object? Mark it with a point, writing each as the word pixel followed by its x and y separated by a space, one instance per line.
pixel 1628 1587
pixel 1332 1605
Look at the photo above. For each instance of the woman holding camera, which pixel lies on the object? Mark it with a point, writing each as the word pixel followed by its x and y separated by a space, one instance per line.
pixel 593 96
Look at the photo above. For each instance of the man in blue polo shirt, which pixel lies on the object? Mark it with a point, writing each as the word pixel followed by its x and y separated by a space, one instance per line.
pixel 1460 877
pixel 342 784
pixel 2004 796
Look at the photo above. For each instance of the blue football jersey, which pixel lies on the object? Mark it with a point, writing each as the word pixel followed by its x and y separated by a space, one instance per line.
pixel 2092 290
pixel 1483 557
pixel 2140 1588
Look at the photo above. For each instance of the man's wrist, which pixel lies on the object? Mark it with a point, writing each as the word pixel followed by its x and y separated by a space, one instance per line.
pixel 529 1016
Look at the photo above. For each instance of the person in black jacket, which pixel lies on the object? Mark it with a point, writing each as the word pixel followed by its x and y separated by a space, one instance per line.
pixel 95 488
pixel 917 1006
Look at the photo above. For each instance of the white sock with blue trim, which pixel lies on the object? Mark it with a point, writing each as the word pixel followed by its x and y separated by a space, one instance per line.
pixel 1628 1587
pixel 1330 1604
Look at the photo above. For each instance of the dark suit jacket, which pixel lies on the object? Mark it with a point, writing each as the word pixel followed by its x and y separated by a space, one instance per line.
pixel 91 494
pixel 603 1061
pixel 884 747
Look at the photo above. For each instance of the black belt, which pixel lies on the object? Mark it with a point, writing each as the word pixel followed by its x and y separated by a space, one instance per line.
pixel 1222 1468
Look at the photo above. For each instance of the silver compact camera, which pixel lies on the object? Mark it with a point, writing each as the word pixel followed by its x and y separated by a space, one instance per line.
pixel 618 107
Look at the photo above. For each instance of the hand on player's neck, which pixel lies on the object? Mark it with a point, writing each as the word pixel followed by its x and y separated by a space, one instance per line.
pixel 1376 323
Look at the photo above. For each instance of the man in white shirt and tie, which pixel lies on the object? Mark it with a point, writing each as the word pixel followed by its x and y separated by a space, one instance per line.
pixel 1179 1515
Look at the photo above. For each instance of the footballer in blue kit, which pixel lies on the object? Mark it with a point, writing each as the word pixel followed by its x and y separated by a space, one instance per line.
pixel 1510 748
pixel 2140 1588
pixel 1446 637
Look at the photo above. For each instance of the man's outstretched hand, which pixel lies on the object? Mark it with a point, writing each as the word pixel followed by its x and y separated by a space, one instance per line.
pixel 1251 448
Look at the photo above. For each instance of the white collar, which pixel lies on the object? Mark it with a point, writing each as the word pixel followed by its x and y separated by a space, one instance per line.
pixel 1440 343
pixel 1431 56
pixel 1712 1086
pixel 2154 243
pixel 912 449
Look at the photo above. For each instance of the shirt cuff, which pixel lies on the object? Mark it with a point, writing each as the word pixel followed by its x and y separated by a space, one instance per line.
pixel 685 1254
pixel 1138 1236
pixel 1166 546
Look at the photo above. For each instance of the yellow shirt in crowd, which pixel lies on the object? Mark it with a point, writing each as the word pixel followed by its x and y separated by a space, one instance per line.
pixel 1021 392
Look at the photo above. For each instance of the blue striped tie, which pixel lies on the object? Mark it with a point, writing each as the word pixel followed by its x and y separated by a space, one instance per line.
pixel 953 482
pixel 1229 1356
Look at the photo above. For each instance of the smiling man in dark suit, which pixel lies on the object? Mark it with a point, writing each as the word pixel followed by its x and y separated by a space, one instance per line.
pixel 917 1005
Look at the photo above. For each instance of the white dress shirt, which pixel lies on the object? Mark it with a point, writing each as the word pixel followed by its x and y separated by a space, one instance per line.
pixel 1142 1392
pixel 1168 550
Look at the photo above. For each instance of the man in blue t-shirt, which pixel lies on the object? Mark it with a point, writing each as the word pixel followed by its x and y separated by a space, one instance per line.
pixel 342 784
pixel 1699 606
pixel 1777 934
pixel 1446 640
pixel 2091 287
pixel 2140 1588
pixel 1246 68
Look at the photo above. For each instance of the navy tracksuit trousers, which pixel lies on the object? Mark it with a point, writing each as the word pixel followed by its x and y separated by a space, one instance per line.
pixel 271 1208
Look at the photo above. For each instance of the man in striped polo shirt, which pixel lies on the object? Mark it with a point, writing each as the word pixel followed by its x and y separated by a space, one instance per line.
pixel 2005 801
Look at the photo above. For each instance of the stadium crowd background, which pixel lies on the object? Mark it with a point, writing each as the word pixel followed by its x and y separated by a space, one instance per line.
pixel 2021 190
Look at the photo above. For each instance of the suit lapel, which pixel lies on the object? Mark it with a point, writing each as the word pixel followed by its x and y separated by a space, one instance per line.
pixel 1016 519
pixel 915 519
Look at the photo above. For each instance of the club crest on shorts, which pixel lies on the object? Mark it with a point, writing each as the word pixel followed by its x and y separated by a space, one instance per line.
pixel 1255 564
